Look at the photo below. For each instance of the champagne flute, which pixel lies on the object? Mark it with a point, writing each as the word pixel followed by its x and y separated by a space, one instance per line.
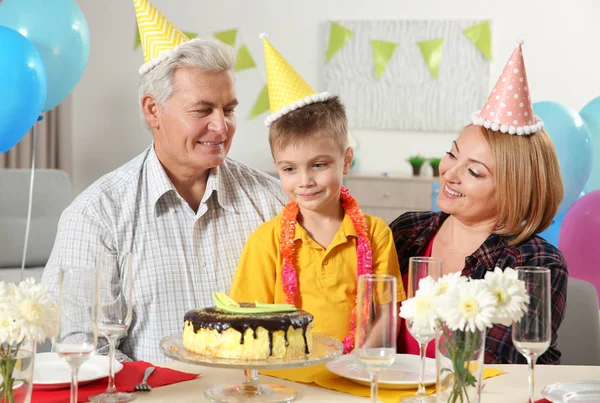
pixel 419 268
pixel 115 289
pixel 77 334
pixel 531 335
pixel 376 320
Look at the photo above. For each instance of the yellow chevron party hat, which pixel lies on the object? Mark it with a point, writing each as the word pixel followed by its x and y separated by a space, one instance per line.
pixel 158 35
pixel 288 91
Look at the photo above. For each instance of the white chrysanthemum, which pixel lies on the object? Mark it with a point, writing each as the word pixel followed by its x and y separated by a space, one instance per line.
pixel 9 329
pixel 427 286
pixel 511 295
pixel 420 312
pixel 37 315
pixel 449 281
pixel 3 289
pixel 468 306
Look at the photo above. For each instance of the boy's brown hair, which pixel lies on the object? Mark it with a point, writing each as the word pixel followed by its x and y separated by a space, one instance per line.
pixel 319 119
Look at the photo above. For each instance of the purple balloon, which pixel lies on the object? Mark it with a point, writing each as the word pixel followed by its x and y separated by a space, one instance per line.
pixel 579 236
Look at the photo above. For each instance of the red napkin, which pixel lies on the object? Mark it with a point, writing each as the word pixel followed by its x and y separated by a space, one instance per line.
pixel 125 379
pixel 542 401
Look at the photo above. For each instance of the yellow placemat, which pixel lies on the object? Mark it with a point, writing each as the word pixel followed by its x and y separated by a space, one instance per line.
pixel 302 375
pixel 385 395
pixel 325 379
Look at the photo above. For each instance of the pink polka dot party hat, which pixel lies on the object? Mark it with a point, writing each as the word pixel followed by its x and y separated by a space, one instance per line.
pixel 508 108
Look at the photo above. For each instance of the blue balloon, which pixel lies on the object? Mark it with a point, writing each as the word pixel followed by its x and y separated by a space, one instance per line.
pixel 551 233
pixel 22 87
pixel 571 139
pixel 591 116
pixel 59 31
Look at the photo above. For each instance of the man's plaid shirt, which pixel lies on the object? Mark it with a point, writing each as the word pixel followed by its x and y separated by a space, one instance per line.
pixel 412 233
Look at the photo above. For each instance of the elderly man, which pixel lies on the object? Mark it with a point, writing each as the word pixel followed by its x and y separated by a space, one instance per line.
pixel 181 207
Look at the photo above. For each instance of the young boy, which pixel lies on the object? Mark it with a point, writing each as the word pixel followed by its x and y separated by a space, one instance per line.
pixel 311 254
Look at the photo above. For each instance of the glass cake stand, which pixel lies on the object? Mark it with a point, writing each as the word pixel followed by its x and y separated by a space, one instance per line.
pixel 325 348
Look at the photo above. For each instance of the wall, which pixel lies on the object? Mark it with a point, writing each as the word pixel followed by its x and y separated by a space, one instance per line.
pixel 559 54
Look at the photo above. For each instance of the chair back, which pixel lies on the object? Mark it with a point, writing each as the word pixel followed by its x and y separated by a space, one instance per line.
pixel 579 333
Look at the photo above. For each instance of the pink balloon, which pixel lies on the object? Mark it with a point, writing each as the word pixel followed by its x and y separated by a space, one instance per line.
pixel 579 239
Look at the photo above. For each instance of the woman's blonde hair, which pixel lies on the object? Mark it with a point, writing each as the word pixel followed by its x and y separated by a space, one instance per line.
pixel 530 187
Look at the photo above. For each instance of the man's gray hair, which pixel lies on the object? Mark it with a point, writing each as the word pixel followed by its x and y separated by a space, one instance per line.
pixel 206 55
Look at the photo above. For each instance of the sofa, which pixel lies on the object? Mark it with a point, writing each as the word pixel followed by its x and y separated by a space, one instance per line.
pixel 51 195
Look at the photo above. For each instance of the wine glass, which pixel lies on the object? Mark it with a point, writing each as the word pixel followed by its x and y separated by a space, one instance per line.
pixel 531 335
pixel 419 268
pixel 77 335
pixel 115 289
pixel 376 320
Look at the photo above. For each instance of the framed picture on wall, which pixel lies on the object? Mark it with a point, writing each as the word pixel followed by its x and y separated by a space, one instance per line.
pixel 409 75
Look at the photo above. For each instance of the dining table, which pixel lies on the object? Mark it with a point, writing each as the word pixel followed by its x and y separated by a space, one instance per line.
pixel 510 386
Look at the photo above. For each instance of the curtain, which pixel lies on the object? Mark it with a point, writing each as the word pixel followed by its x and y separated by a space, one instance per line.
pixel 53 143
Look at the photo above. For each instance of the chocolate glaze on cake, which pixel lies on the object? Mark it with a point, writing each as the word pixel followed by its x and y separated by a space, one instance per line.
pixel 219 320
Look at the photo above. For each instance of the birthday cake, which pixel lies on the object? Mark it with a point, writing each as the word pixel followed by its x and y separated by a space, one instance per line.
pixel 248 331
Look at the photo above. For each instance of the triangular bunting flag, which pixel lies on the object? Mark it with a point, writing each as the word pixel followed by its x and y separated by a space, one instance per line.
pixel 136 41
pixel 190 35
pixel 382 53
pixel 244 59
pixel 227 37
pixel 481 36
pixel 432 53
pixel 262 103
pixel 338 36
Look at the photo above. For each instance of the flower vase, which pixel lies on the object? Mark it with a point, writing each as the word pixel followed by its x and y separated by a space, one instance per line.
pixel 459 363
pixel 16 371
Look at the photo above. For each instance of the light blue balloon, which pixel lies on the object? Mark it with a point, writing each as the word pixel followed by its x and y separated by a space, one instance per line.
pixel 435 191
pixel 591 116
pixel 571 139
pixel 59 31
pixel 22 87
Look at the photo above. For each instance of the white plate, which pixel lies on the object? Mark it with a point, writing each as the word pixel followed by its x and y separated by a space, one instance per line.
pixel 403 374
pixel 579 391
pixel 52 372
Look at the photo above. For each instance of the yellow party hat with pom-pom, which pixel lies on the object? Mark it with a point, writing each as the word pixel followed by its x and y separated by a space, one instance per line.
pixel 158 36
pixel 288 91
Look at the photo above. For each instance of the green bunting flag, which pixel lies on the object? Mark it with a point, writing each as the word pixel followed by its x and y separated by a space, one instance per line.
pixel 136 41
pixel 244 59
pixel 262 103
pixel 382 53
pixel 227 37
pixel 190 35
pixel 432 54
pixel 481 36
pixel 338 36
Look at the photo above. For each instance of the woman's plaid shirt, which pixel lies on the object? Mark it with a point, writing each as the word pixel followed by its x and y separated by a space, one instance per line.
pixel 412 233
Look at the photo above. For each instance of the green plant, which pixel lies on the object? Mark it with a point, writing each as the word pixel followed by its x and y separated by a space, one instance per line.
pixel 416 160
pixel 434 162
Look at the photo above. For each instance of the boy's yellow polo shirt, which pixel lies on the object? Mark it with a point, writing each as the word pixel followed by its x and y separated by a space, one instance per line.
pixel 326 277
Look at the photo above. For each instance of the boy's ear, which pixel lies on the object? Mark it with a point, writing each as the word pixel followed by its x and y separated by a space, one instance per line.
pixel 348 157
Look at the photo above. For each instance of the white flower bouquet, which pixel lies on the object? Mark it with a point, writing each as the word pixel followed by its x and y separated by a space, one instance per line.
pixel 27 315
pixel 462 309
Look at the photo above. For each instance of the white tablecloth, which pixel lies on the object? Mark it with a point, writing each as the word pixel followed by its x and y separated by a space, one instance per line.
pixel 511 386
